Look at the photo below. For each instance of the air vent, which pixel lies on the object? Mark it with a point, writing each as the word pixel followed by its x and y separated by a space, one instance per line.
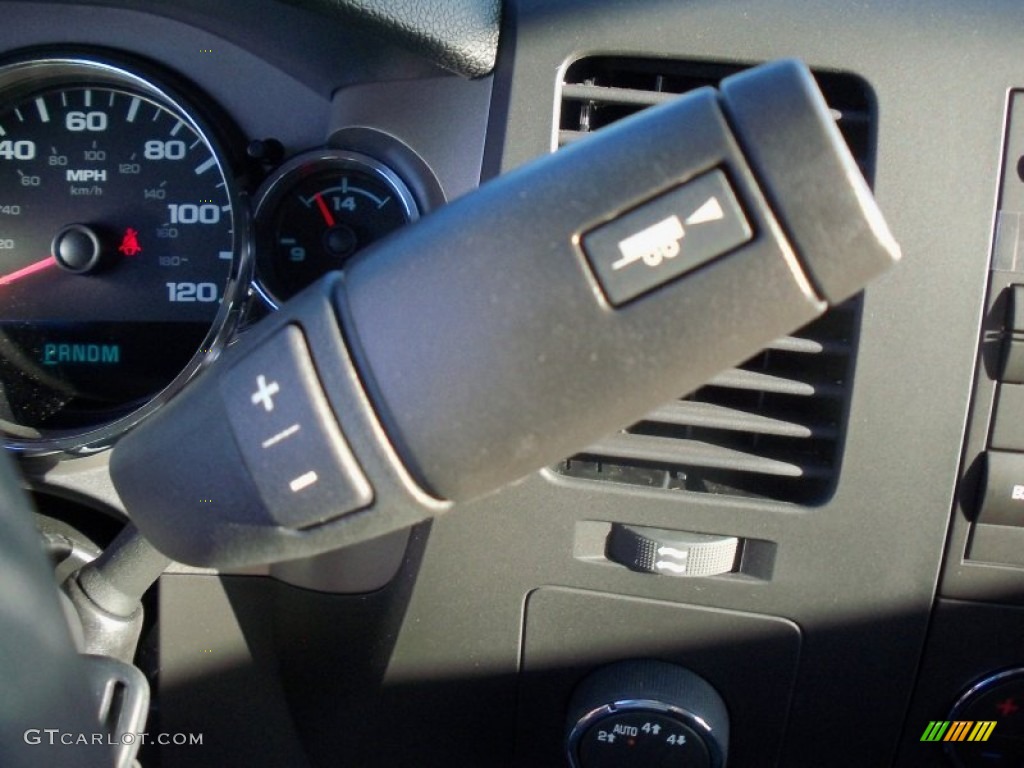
pixel 773 427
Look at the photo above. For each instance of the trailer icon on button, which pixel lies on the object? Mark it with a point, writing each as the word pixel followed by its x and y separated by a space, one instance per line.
pixel 666 237
pixel 651 246
pixel 662 240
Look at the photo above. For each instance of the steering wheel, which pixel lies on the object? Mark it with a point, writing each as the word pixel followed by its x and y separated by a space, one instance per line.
pixel 49 700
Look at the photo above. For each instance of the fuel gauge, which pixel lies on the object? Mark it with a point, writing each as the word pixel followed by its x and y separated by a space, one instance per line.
pixel 317 211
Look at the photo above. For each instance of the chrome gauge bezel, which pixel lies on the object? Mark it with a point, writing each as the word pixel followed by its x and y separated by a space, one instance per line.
pixel 273 190
pixel 21 78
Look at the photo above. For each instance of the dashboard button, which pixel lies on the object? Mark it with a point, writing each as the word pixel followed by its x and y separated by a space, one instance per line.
pixel 997 545
pixel 1015 309
pixel 1002 494
pixel 666 237
pixel 1013 360
pixel 672 553
pixel 1008 423
pixel 1013 342
pixel 288 436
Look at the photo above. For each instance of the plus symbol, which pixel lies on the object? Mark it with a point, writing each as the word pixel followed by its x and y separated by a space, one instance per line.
pixel 264 394
pixel 1007 707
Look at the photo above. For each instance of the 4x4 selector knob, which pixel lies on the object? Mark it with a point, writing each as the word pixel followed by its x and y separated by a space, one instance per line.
pixel 647 713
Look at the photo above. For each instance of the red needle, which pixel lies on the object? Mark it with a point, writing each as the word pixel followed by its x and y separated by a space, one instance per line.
pixel 324 210
pixel 49 261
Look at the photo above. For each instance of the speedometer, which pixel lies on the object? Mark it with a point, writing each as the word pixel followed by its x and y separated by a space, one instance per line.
pixel 120 255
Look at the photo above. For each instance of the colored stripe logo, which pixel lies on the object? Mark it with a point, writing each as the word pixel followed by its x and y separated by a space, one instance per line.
pixel 958 730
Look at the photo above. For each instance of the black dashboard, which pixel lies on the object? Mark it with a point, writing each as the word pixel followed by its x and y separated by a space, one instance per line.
pixel 859 469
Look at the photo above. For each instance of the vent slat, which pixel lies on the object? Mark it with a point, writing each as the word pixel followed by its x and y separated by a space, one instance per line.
pixel 809 346
pixel 691 453
pixel 688 413
pixel 568 137
pixel 772 427
pixel 738 378
pixel 794 344
pixel 609 95
pixel 852 117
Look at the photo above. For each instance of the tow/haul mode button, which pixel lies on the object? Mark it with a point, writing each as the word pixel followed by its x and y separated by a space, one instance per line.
pixel 666 237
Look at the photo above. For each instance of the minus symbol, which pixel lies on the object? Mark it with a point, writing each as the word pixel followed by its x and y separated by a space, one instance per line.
pixel 303 481
pixel 284 434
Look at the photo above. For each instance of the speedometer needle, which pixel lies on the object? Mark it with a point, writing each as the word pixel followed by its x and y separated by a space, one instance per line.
pixel 49 261
pixel 324 210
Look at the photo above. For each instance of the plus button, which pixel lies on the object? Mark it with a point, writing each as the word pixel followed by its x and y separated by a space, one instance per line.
pixel 264 394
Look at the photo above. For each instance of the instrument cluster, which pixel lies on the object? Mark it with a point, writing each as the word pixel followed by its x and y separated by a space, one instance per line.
pixel 139 230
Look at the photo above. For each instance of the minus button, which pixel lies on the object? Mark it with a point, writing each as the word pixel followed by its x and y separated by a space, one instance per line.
pixel 303 481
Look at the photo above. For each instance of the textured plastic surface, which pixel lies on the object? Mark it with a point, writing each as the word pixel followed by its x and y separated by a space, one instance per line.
pixel 460 35
pixel 671 553
pixel 470 376
pixel 107 594
pixel 120 576
pixel 121 693
pixel 934 178
pixel 1002 499
pixel 408 126
pixel 453 672
pixel 464 330
pixel 200 504
pixel 1012 368
pixel 1008 422
pixel 1015 309
pixel 811 179
pixel 984 561
pixel 1012 364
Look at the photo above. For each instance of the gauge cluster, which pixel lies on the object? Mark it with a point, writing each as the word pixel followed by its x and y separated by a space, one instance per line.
pixel 319 210
pixel 137 234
